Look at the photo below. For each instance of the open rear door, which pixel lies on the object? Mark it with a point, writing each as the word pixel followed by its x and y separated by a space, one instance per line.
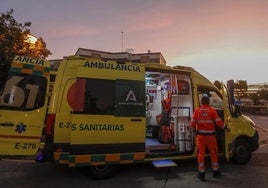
pixel 23 104
pixel 229 139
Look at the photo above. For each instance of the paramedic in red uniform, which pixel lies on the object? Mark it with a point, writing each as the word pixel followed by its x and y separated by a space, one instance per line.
pixel 203 123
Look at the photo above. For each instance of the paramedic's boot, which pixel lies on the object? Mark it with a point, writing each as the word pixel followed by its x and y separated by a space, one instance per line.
pixel 201 176
pixel 216 173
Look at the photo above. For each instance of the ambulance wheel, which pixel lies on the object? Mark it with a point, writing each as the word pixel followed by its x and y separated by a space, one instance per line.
pixel 102 171
pixel 242 153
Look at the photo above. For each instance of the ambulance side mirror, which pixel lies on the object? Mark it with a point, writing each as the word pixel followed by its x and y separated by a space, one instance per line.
pixel 237 110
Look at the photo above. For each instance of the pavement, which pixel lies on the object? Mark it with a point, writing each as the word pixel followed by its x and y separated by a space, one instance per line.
pixel 263 141
pixel 263 136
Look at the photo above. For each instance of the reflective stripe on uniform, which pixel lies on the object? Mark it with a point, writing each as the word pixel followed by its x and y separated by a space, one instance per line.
pixel 218 119
pixel 205 121
pixel 193 120
pixel 201 167
pixel 205 131
pixel 215 166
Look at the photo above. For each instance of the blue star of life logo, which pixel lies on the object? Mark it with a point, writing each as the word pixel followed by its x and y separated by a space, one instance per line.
pixel 20 128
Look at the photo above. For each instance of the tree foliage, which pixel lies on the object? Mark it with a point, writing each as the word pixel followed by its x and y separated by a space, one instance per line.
pixel 13 41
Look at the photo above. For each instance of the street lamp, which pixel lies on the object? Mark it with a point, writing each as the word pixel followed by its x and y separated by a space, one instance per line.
pixel 31 40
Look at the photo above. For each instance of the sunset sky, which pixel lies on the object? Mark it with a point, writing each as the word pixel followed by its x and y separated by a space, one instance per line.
pixel 222 39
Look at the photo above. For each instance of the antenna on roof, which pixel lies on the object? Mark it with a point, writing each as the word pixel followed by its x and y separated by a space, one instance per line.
pixel 122 35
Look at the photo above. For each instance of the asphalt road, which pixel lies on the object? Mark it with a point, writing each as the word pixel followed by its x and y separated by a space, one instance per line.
pixel 28 174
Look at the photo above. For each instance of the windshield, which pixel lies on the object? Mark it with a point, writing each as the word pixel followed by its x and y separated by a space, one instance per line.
pixel 215 99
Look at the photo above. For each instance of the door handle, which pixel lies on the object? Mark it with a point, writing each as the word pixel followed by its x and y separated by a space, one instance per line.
pixel 135 119
pixel 7 124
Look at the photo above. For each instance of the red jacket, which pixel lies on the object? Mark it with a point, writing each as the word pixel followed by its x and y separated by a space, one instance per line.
pixel 205 118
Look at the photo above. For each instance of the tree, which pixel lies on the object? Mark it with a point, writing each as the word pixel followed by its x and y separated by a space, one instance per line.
pixel 13 41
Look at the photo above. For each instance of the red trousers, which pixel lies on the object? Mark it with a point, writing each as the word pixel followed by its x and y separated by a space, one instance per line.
pixel 210 142
pixel 166 134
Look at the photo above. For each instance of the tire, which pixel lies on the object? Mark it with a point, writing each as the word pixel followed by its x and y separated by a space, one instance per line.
pixel 102 171
pixel 242 152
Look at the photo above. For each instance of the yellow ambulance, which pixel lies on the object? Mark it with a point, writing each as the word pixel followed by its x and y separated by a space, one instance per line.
pixel 103 114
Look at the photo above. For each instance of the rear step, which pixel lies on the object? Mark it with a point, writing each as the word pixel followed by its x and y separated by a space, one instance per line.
pixel 164 163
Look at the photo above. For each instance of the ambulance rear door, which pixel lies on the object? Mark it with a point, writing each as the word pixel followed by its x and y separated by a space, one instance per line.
pixel 108 101
pixel 23 104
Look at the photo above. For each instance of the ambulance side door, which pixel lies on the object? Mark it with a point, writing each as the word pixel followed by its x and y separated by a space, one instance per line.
pixel 229 137
pixel 109 110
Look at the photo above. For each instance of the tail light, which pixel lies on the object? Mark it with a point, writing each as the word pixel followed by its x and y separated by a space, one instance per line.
pixel 50 125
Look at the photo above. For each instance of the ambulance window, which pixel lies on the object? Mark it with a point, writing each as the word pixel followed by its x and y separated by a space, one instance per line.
pixel 130 98
pixel 52 77
pixel 99 95
pixel 214 98
pixel 23 92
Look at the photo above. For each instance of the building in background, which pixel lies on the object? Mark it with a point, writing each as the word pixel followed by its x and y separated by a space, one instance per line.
pixel 128 56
